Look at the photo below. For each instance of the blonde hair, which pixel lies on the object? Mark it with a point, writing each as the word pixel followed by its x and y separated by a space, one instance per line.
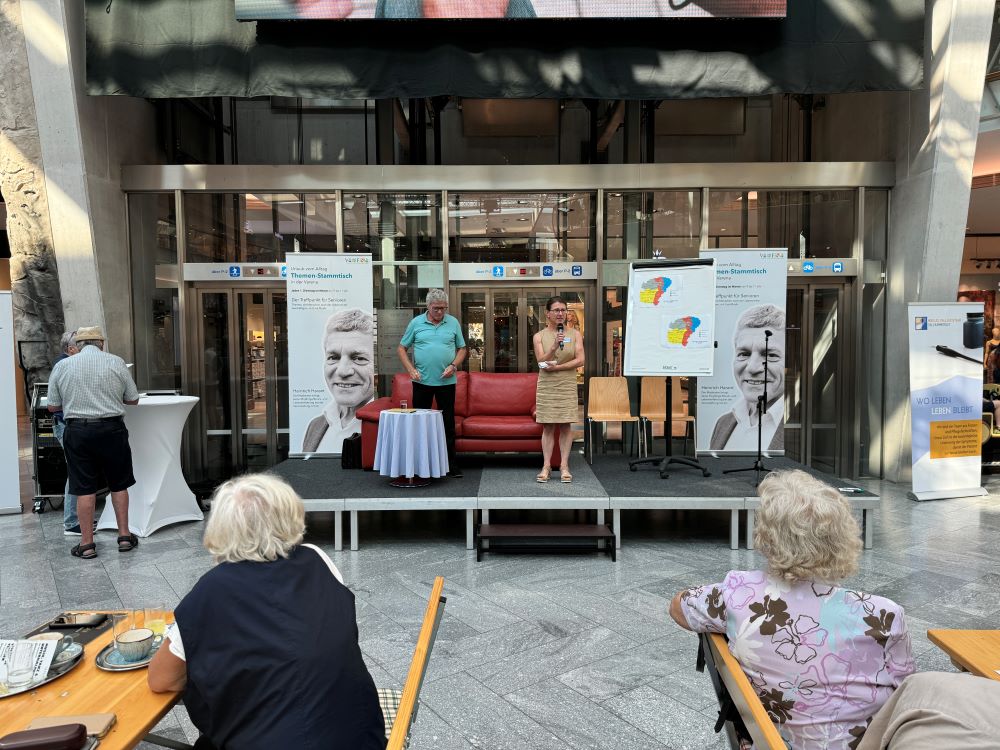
pixel 254 517
pixel 805 529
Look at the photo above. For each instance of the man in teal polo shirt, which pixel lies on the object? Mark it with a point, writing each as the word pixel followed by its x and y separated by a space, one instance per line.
pixel 438 353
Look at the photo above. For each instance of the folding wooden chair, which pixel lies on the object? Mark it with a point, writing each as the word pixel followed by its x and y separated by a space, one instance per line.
pixel 406 714
pixel 607 401
pixel 736 694
pixel 653 408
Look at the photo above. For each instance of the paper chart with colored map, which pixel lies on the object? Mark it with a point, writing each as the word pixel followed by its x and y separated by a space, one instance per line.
pixel 671 320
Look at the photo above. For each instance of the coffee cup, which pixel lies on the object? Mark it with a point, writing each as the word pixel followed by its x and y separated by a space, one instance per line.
pixel 135 644
pixel 62 640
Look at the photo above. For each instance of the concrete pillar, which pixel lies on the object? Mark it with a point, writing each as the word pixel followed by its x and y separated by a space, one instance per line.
pixel 84 141
pixel 936 141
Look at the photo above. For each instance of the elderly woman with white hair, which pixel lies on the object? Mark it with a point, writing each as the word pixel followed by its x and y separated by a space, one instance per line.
pixel 265 645
pixel 823 659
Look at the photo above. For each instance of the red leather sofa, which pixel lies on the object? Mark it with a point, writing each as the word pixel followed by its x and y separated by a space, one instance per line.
pixel 494 413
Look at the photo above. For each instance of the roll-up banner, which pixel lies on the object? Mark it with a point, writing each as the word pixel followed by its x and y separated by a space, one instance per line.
pixel 331 348
pixel 10 499
pixel 946 399
pixel 750 291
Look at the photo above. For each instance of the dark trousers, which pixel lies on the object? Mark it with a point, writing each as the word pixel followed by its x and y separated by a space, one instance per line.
pixel 424 395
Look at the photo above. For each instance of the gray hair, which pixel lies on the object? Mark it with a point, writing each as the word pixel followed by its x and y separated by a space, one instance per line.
pixel 805 529
pixel 761 316
pixel 436 295
pixel 346 321
pixel 255 517
pixel 67 340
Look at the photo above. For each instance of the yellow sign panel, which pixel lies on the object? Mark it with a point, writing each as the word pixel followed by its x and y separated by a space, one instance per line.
pixel 955 439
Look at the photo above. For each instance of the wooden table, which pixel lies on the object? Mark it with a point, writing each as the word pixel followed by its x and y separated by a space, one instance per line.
pixel 975 651
pixel 89 690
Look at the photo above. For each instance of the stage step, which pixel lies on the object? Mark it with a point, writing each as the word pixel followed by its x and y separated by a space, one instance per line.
pixel 536 532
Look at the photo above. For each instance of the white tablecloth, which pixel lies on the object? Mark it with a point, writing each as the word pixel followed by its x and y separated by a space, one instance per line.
pixel 160 496
pixel 411 444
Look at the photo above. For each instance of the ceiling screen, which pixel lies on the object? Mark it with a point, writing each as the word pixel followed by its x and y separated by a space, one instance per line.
pixel 251 10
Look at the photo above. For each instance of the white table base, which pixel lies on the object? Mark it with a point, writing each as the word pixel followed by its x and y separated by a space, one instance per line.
pixel 160 496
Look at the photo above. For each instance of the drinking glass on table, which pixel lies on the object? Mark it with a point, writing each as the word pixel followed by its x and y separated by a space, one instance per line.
pixel 156 620
pixel 121 623
pixel 22 665
pixel 403 405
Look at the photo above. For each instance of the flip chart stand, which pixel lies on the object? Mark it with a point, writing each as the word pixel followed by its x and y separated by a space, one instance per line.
pixel 668 458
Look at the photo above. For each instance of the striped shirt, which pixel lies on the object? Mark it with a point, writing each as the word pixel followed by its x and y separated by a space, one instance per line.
pixel 91 384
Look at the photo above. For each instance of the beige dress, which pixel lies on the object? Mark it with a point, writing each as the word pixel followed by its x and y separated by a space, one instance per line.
pixel 555 396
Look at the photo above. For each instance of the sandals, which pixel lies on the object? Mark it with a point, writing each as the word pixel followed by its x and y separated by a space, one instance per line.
pixel 84 551
pixel 543 476
pixel 131 540
pixel 564 476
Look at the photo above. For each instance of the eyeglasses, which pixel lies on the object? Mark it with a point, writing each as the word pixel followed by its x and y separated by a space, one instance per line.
pixel 558 310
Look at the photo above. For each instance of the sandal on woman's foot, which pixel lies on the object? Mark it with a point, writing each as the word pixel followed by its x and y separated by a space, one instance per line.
pixel 564 476
pixel 128 543
pixel 84 551
pixel 543 476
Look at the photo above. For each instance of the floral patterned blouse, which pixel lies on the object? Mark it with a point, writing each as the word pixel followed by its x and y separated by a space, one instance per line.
pixel 822 659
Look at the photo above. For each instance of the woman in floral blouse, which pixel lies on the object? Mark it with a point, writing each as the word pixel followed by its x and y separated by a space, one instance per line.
pixel 823 659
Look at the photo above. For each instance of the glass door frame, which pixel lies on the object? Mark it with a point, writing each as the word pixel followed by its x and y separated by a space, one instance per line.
pixel 591 317
pixel 845 452
pixel 193 382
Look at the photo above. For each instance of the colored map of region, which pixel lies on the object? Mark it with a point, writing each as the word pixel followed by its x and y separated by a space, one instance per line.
pixel 680 330
pixel 651 291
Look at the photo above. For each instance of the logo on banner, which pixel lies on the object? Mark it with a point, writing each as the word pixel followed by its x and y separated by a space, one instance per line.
pixel 838 267
pixel 920 323
pixel 578 270
pixel 497 272
pixel 547 270
pixel 808 267
pixel 234 272
pixel 284 272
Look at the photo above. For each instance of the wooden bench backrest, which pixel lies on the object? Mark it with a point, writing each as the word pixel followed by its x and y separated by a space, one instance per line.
pixel 418 667
pixel 758 723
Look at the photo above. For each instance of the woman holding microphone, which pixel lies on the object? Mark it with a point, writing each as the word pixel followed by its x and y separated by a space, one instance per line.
pixel 559 351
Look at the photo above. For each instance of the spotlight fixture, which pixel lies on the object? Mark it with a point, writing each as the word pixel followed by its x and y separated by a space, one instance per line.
pixel 979 264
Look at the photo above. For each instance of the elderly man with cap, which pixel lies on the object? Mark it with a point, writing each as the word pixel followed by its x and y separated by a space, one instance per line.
pixel 91 389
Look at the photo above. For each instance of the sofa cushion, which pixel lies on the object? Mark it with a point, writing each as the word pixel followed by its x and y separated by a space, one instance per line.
pixel 500 427
pixel 502 393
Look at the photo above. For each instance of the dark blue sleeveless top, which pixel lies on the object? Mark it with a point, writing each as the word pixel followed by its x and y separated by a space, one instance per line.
pixel 273 659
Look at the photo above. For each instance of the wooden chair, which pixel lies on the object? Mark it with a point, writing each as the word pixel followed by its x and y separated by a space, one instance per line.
pixel 653 408
pixel 733 689
pixel 407 712
pixel 607 401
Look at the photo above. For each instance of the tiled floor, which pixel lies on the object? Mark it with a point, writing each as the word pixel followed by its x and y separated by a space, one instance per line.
pixel 535 651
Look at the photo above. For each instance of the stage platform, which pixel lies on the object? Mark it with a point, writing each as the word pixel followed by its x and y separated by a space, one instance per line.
pixel 507 482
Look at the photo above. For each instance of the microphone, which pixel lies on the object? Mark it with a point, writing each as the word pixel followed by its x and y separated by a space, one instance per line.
pixel 768 333
pixel 560 328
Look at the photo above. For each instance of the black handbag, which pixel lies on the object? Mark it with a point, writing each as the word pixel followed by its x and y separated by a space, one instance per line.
pixel 350 452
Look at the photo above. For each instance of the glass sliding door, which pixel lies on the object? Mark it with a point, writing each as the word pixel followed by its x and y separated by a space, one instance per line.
pixel 240 358
pixel 816 420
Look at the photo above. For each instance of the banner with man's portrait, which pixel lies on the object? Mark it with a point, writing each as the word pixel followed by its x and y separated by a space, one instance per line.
pixel 331 348
pixel 750 292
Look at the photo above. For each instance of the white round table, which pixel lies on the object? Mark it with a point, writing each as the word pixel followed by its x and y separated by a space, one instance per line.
pixel 160 496
pixel 411 444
